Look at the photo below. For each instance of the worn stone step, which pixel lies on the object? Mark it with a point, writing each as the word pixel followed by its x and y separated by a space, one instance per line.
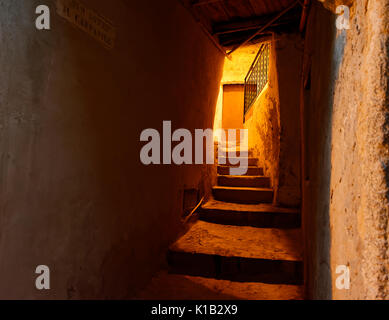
pixel 165 286
pixel 244 181
pixel 255 215
pixel 238 253
pixel 243 195
pixel 251 171
pixel 236 160
pixel 235 151
pixel 227 144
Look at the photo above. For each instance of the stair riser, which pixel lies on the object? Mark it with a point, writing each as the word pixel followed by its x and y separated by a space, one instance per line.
pixel 231 154
pixel 252 219
pixel 234 161
pixel 243 196
pixel 236 268
pixel 254 182
pixel 230 144
pixel 251 171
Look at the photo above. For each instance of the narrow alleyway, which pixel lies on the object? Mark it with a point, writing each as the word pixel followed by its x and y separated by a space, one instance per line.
pixel 241 246
pixel 108 185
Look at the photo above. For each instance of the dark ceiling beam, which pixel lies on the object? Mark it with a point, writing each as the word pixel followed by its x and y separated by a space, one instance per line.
pixel 262 29
pixel 250 6
pixel 225 10
pixel 304 15
pixel 231 41
pixel 252 23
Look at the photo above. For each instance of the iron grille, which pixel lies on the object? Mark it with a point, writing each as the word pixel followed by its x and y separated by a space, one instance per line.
pixel 257 76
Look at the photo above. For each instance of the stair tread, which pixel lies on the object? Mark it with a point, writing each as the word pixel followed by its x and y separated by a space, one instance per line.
pixel 237 241
pixel 165 286
pixel 242 177
pixel 243 188
pixel 237 147
pixel 239 208
pixel 229 166
pixel 227 170
pixel 234 161
pixel 242 157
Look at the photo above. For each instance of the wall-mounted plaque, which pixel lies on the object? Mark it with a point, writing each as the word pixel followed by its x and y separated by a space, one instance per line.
pixel 88 20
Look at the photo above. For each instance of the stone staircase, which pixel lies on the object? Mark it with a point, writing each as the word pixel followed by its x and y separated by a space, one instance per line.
pixel 241 245
pixel 240 236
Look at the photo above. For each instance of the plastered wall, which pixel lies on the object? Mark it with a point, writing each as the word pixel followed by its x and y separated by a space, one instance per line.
pixel 273 121
pixel 235 70
pixel 263 124
pixel 289 57
pixel 73 193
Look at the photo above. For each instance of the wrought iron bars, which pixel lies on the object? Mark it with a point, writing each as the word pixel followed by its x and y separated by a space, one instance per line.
pixel 257 76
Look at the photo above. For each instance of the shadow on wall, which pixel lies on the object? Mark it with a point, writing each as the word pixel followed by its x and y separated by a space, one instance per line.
pixel 325 50
pixel 73 187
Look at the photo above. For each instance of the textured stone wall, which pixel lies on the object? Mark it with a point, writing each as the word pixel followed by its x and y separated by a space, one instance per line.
pixel 346 210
